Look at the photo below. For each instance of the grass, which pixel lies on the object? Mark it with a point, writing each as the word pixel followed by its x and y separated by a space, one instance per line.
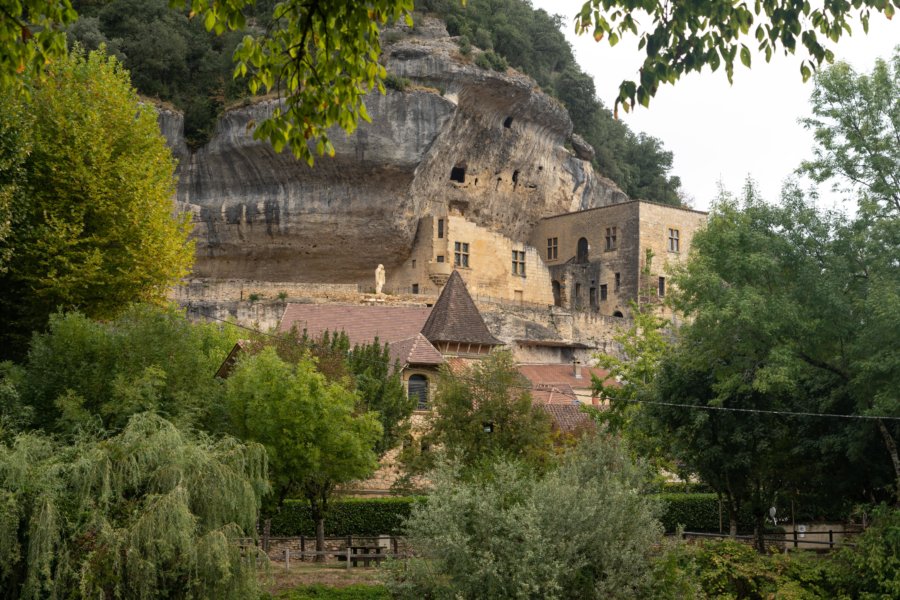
pixel 351 592
pixel 302 577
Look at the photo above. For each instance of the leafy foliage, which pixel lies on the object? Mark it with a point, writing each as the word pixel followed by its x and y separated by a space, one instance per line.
pixel 856 129
pixel 31 37
pixel 369 516
pixel 687 37
pixel 170 56
pixel 312 434
pixel 150 512
pixel 490 393
pixel 583 530
pixel 90 375
pixel 92 224
pixel 532 42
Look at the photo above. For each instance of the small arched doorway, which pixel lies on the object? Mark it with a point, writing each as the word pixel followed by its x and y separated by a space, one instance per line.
pixel 582 253
pixel 417 388
pixel 557 294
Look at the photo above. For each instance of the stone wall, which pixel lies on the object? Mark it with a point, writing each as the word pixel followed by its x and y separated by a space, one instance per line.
pixel 489 271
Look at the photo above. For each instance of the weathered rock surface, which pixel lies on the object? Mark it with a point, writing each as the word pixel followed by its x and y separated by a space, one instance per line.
pixel 266 216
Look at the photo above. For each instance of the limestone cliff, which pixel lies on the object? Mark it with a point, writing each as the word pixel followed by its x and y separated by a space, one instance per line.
pixel 266 216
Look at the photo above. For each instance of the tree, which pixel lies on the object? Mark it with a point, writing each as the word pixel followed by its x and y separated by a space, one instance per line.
pixel 686 36
pixel 312 433
pixel 31 37
pixel 774 326
pixel 583 530
pixel 856 130
pixel 92 224
pixel 91 375
pixel 483 414
pixel 150 512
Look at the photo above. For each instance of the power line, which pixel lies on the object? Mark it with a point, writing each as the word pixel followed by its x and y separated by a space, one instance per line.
pixel 576 398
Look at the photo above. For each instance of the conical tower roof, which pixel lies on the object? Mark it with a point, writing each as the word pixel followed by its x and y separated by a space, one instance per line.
pixel 455 318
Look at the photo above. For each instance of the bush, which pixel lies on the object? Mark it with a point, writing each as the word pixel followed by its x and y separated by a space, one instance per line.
pixel 395 82
pixel 698 512
pixel 375 516
pixel 583 530
pixel 491 60
pixel 465 46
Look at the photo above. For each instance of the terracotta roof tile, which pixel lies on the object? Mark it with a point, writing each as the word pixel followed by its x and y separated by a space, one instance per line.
pixel 561 374
pixel 361 323
pixel 415 350
pixel 568 418
pixel 455 318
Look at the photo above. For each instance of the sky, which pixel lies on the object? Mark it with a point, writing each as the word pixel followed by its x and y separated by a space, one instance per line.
pixel 721 132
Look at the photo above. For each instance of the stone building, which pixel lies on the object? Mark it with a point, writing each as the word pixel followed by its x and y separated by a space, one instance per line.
pixel 596 260
pixel 602 259
pixel 420 338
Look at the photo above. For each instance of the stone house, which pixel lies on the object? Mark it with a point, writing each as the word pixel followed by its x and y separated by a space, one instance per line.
pixel 420 338
pixel 596 260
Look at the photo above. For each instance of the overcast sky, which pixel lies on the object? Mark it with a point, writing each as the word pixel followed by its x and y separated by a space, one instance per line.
pixel 719 131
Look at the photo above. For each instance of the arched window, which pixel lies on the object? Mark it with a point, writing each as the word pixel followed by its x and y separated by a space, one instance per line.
pixel 557 294
pixel 417 387
pixel 582 255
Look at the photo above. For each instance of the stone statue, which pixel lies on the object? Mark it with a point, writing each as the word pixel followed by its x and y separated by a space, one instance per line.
pixel 379 279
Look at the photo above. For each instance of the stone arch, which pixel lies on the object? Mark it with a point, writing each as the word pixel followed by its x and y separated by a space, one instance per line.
pixel 417 388
pixel 583 251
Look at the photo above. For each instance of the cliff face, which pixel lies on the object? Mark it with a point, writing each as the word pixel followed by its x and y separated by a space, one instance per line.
pixel 266 216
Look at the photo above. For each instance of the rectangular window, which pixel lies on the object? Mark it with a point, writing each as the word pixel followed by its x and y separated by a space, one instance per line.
pixel 593 297
pixel 673 240
pixel 440 258
pixel 415 288
pixel 618 281
pixel 610 238
pixel 662 287
pixel 603 292
pixel 552 248
pixel 518 262
pixel 461 254
pixel 413 263
pixel 440 228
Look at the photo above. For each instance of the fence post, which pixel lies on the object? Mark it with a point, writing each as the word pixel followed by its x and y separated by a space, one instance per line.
pixel 302 547
pixel 287 558
pixel 830 539
pixel 795 538
pixel 348 556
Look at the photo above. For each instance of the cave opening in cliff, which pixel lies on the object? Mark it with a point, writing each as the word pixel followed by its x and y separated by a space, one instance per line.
pixel 507 122
pixel 515 179
pixel 458 173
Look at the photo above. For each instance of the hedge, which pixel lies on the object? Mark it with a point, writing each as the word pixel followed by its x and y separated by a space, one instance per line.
pixel 385 516
pixel 364 516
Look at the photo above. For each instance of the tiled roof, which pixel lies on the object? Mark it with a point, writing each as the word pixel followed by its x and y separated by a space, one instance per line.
pixel 415 350
pixel 568 418
pixel 554 393
pixel 561 374
pixel 228 364
pixel 455 318
pixel 361 323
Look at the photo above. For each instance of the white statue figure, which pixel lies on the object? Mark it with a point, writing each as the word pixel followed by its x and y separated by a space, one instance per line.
pixel 379 279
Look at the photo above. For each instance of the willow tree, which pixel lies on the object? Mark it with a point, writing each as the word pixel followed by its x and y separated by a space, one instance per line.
pixel 151 512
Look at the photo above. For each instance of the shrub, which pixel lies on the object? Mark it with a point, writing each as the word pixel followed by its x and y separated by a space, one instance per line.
pixel 583 530
pixel 482 61
pixel 395 82
pixel 697 512
pixel 465 45
pixel 370 516
pixel 491 60
pixel 252 298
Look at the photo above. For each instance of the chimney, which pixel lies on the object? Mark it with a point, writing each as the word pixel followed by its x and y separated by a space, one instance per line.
pixel 576 364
